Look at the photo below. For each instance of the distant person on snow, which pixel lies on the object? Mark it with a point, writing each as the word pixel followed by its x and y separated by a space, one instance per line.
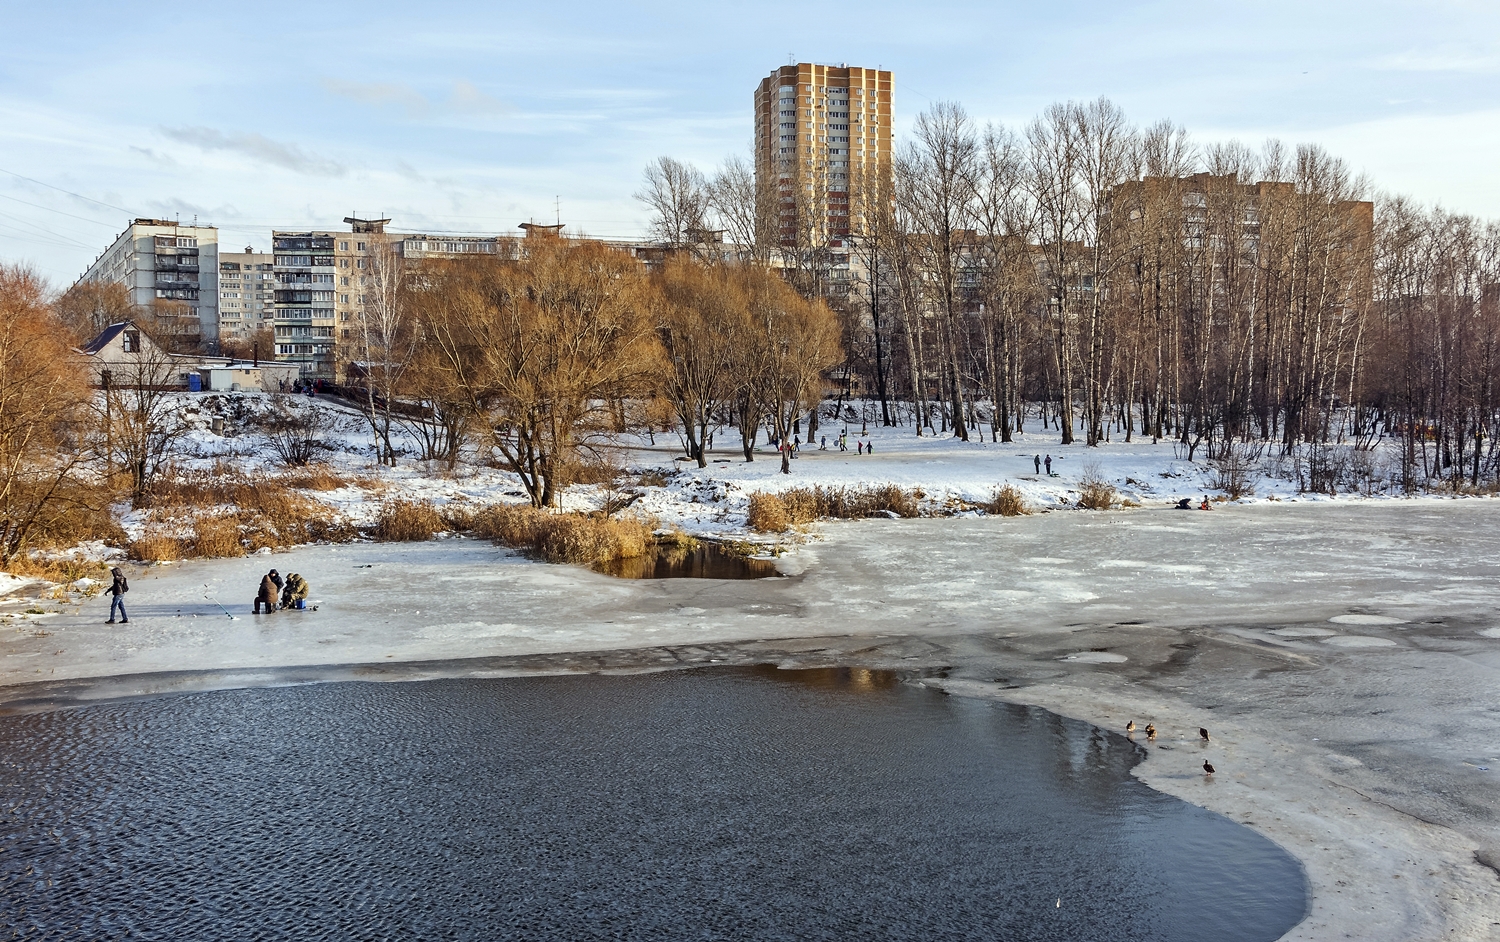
pixel 1037 460
pixel 1048 462
pixel 295 591
pixel 870 447
pixel 270 592
pixel 117 589
pixel 1185 504
pixel 1205 505
pixel 859 445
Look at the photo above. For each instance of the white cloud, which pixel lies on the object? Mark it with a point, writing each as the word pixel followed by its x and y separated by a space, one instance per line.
pixel 257 147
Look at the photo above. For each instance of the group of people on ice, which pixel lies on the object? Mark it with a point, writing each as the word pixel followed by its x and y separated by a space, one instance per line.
pixel 291 592
pixel 275 593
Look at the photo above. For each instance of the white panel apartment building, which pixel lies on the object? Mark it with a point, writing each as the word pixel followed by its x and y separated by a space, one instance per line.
pixel 247 295
pixel 169 269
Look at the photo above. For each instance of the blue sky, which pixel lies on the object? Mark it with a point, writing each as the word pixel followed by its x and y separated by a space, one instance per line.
pixel 475 117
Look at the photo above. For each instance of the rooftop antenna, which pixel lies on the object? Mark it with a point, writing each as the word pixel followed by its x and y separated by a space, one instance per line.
pixel 557 207
pixel 791 59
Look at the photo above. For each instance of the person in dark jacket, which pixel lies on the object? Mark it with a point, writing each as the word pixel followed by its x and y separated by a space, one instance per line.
pixel 270 592
pixel 118 589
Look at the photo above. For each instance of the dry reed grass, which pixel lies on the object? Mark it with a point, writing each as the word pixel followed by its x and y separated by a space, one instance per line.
pixel 262 511
pixel 1094 492
pixel 1007 501
pixel 63 569
pixel 408 521
pixel 313 477
pixel 774 513
pixel 767 514
pixel 157 548
pixel 217 537
pixel 564 537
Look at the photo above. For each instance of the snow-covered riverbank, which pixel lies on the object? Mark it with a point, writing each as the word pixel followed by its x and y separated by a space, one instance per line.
pixel 1344 657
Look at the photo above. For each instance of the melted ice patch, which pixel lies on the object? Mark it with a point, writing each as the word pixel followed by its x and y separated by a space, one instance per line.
pixel 1303 632
pixel 1490 633
pixel 1355 619
pixel 1095 657
pixel 1359 641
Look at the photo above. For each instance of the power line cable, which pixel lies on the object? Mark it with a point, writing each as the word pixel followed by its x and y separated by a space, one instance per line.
pixel 59 212
pixel 69 192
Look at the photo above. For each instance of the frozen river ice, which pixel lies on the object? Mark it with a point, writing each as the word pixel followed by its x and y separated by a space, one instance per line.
pixel 1344 656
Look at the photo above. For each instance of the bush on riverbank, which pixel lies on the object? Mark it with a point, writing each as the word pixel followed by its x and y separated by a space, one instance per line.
pixel 224 511
pixel 583 539
pixel 1007 502
pixel 408 521
pixel 1094 492
pixel 774 513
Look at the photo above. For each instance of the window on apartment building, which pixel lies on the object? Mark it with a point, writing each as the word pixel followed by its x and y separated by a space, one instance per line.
pixel 343 246
pixel 343 299
pixel 361 246
pixel 344 280
pixel 343 263
pixel 359 263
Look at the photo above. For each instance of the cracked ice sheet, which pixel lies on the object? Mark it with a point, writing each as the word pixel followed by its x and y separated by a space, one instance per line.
pixel 1364 761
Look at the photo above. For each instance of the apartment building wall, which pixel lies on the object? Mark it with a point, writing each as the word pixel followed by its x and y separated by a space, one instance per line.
pixel 822 134
pixel 325 284
pixel 171 270
pixel 247 294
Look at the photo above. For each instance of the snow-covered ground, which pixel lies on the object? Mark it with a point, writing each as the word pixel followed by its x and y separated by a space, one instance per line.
pixel 1344 657
pixel 952 475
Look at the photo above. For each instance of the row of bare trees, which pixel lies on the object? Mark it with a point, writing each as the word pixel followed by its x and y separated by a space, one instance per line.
pixel 541 358
pixel 1110 280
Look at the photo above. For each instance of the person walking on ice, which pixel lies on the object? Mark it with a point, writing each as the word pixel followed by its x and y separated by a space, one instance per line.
pixel 1037 460
pixel 1049 465
pixel 117 589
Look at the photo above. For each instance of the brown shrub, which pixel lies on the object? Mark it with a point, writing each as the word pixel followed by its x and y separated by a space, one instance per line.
pixel 269 512
pixel 575 538
pixel 406 521
pixel 514 525
pixel 803 504
pixel 1007 502
pixel 215 537
pixel 563 537
pixel 806 504
pixel 314 477
pixel 456 516
pixel 62 569
pixel 767 513
pixel 1094 492
pixel 155 548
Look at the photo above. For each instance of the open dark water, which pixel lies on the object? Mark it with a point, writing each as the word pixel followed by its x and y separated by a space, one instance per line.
pixel 708 804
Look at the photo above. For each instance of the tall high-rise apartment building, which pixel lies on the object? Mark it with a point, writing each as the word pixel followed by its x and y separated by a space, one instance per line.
pixel 171 270
pixel 247 294
pixel 822 135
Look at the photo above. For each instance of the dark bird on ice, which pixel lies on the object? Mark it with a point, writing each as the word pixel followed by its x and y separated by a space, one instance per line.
pixel 1130 727
pixel 1208 767
pixel 1150 731
pixel 1203 733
